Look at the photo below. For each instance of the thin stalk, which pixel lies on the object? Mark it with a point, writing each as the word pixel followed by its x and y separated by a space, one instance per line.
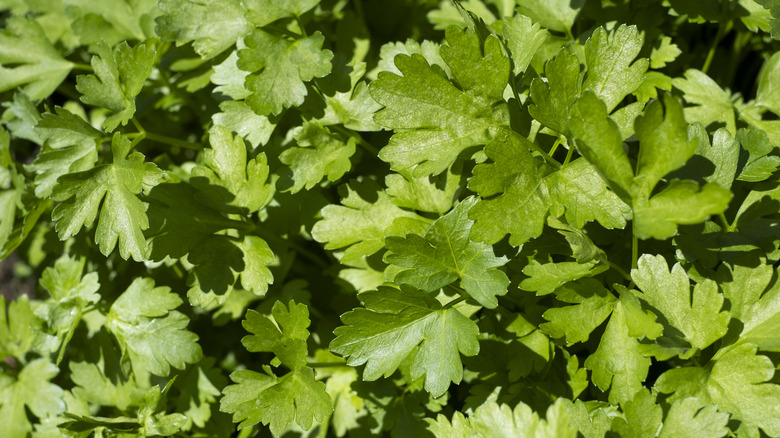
pixel 723 29
pixel 555 146
pixel 544 154
pixel 300 25
pixel 568 155
pixel 82 67
pixel 358 138
pixel 724 223
pixel 620 271
pixel 173 141
pixel 326 365
pixel 634 250
pixel 454 302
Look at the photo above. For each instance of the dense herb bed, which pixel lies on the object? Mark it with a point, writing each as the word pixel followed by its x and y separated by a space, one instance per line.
pixel 291 217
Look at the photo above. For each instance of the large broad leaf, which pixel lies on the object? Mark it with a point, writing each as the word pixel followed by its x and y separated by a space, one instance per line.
pixel 445 254
pixel 435 119
pixel 395 322
pixel 212 25
pixel 113 189
pixel 143 321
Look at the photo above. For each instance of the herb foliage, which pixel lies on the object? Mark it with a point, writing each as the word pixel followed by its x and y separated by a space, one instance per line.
pixel 409 217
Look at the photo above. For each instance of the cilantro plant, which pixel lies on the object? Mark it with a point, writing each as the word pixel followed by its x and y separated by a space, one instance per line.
pixel 530 218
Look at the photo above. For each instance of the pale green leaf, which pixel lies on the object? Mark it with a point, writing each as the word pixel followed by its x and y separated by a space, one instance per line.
pixel 592 304
pixel 211 25
pixel 523 37
pixel 558 15
pixel 32 390
pixel 239 118
pixel 711 104
pixel 554 97
pixel 317 154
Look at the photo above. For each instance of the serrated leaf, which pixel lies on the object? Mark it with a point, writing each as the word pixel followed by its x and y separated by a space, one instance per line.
pixel 592 305
pixel 360 223
pixel 70 147
pixel 263 12
pixel 393 322
pixel 227 164
pixel 279 69
pixel 554 97
pixel 755 301
pixel 523 37
pixel 558 15
pixel 617 364
pixel 665 52
pixel 276 401
pixel 437 119
pixel 545 278
pixel 288 342
pixel 317 154
pixel 112 189
pixel 769 84
pixel 446 254
pixel 738 382
pixel 93 386
pixel 642 417
pixel 759 165
pixel 613 72
pixel 31 389
pixel 710 102
pixel 143 322
pixel 119 76
pixel 239 118
pixel 688 419
pixel 211 25
pixel 36 66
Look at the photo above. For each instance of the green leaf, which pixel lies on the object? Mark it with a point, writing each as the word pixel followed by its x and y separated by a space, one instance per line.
pixel 755 301
pixel 759 165
pixel 116 185
pixel 29 60
pixel 289 343
pixel 769 84
pixel 276 401
pixel 711 103
pixel 492 420
pixel 434 194
pixel 545 278
pixel 70 147
pixel 119 77
pixel 531 189
pixel 664 145
pixel 558 15
pixel 31 389
pixel 682 202
pixel 642 417
pixel 19 327
pixel 554 98
pixel 437 120
pixel 688 419
pixel 212 25
pixel 592 305
pixel 737 382
pixel 359 224
pixel 723 153
pixel 598 139
pixel 143 321
pixel 612 72
pixel 617 362
pixel 317 154
pixel 239 118
pixel 280 68
pixel 93 386
pixel 263 12
pixel 523 38
pixel 354 108
pixel 226 164
pixel 664 52
pixel 446 254
pixel 774 7
pixel 395 322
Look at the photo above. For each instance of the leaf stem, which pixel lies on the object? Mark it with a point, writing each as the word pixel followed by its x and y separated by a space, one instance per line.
pixel 569 154
pixel 550 160
pixel 634 249
pixel 300 25
pixel 555 146
pixel 724 223
pixel 173 141
pixel 327 365
pixel 358 138
pixel 620 270
pixel 723 29
pixel 82 66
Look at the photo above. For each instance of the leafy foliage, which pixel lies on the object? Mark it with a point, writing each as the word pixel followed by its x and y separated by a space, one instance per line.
pixel 401 218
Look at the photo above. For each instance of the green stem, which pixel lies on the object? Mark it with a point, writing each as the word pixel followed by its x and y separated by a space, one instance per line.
pixel 173 141
pixel 620 271
pixel 81 66
pixel 723 29
pixel 327 365
pixel 724 223
pixel 544 154
pixel 358 138
pixel 455 302
pixel 555 146
pixel 295 246
pixel 568 156
pixel 300 25
pixel 634 249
